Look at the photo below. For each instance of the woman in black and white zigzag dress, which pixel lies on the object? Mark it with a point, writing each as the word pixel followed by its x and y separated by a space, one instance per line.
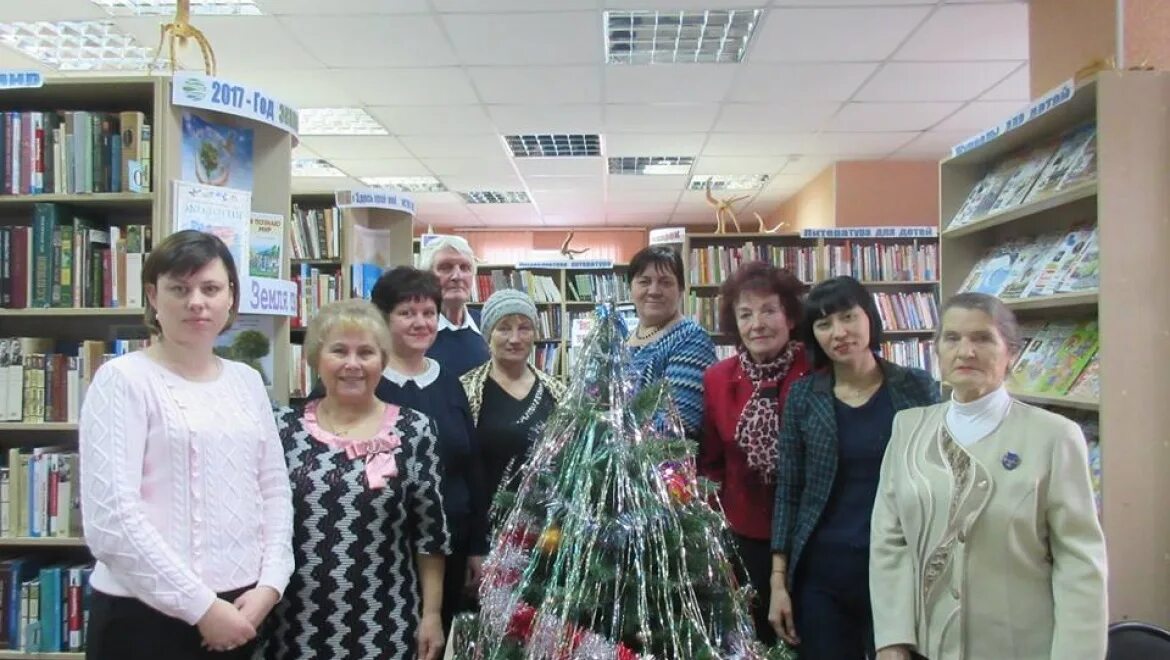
pixel 369 533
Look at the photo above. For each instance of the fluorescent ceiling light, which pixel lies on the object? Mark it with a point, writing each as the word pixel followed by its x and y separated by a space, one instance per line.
pixel 651 165
pixel 78 45
pixel 339 121
pixel 306 167
pixel 413 184
pixel 554 145
pixel 678 37
pixel 728 181
pixel 167 7
pixel 495 197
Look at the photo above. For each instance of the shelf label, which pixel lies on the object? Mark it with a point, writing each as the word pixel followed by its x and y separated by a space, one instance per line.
pixel 269 296
pixel 196 90
pixel 870 232
pixel 1039 107
pixel 566 264
pixel 374 199
pixel 667 235
pixel 20 79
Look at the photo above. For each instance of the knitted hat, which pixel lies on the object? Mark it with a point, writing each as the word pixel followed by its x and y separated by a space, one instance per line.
pixel 505 302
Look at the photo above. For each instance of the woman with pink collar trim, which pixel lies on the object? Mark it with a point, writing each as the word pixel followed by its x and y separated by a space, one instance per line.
pixel 369 534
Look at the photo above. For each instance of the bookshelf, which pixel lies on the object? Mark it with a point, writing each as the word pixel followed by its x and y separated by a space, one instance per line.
pixel 900 271
pixel 98 167
pixel 1118 289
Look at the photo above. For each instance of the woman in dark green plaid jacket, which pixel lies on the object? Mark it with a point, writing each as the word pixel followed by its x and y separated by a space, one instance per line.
pixel 834 432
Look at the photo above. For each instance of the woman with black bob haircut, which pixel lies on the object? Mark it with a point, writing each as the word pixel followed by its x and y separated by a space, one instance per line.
pixel 833 435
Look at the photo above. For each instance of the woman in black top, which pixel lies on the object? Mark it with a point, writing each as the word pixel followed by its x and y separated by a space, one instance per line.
pixel 509 397
pixel 409 299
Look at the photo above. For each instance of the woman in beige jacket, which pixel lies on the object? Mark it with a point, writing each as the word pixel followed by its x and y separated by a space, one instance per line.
pixel 985 541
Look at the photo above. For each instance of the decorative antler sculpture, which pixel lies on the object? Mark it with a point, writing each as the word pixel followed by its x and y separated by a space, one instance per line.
pixel 723 210
pixel 180 30
pixel 763 229
pixel 568 252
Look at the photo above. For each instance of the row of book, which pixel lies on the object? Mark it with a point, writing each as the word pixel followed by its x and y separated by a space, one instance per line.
pixel 884 262
pixel 66 259
pixel 315 289
pixel 44 607
pixel 40 495
pixel 315 233
pixel 597 287
pixel 715 263
pixel 1043 265
pixel 908 310
pixel 74 152
pixel 1032 174
pixel 44 380
pixel 541 288
pixel 1059 358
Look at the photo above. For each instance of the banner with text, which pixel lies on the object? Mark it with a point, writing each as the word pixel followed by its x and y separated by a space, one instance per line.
pixel 1041 106
pixel 374 199
pixel 870 232
pixel 196 90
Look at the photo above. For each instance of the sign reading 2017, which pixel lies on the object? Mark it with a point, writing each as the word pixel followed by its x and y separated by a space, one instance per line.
pixel 229 95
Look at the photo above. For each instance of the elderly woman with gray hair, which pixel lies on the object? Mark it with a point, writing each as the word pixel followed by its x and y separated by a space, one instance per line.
pixel 509 397
pixel 370 534
pixel 985 541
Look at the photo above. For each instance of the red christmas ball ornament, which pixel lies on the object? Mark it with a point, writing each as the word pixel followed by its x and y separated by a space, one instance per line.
pixel 679 480
pixel 520 625
pixel 624 653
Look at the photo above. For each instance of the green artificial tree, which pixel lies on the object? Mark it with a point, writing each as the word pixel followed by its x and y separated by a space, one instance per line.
pixel 607 546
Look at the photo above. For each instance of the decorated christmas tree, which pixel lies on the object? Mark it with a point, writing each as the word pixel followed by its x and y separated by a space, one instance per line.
pixel 605 546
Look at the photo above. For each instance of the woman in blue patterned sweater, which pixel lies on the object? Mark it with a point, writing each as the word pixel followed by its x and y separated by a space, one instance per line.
pixel 665 344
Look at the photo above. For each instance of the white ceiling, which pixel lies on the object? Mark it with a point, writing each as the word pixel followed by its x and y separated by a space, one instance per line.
pixel 823 80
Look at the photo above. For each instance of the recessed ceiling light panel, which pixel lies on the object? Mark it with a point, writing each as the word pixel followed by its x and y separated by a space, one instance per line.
pixel 728 181
pixel 167 7
pixel 679 37
pixel 316 167
pixel 78 45
pixel 554 145
pixel 495 197
pixel 651 165
pixel 339 121
pixel 411 184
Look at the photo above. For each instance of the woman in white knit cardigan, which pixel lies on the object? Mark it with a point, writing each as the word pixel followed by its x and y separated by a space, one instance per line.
pixel 985 539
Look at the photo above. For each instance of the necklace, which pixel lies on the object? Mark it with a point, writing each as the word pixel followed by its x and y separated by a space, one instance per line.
pixel 653 333
pixel 336 429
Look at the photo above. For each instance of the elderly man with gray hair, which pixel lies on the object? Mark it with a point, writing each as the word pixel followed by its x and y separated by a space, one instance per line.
pixel 459 345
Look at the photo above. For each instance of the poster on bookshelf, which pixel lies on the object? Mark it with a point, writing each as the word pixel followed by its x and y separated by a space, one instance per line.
pixel 215 154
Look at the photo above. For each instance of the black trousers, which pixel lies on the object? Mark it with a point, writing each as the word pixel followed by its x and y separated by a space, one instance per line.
pixel 831 604
pixel 122 628
pixel 455 570
pixel 755 567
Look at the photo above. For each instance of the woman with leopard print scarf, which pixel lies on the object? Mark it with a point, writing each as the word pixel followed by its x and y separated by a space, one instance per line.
pixel 743 397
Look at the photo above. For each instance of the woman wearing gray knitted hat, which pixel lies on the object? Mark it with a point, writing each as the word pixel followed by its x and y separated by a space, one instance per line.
pixel 509 397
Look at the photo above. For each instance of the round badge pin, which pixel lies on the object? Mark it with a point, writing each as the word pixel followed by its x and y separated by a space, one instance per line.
pixel 1011 460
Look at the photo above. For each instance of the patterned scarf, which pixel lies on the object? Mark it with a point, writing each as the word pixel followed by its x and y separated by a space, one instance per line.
pixel 758 429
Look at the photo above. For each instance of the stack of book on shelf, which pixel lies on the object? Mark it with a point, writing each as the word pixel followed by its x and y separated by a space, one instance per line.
pixel 704 310
pixel 65 258
pixel 884 262
pixel 1042 265
pixel 315 289
pixel 1059 359
pixel 715 263
pixel 74 152
pixel 315 234
pixel 907 311
pixel 40 496
pixel 43 606
pixel 1031 175
pixel 596 287
pixel 542 288
pixel 44 380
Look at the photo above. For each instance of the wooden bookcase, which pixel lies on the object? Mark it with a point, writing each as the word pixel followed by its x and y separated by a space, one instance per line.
pixel 816 263
pixel 1130 201
pixel 154 209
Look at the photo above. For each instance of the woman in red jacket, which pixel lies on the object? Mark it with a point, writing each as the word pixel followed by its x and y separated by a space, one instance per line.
pixel 743 397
